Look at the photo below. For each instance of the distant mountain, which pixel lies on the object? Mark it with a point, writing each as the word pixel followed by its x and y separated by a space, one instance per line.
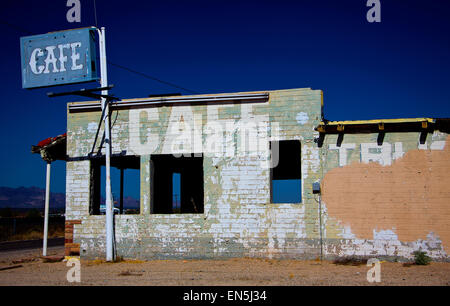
pixel 34 197
pixel 29 197
pixel 128 202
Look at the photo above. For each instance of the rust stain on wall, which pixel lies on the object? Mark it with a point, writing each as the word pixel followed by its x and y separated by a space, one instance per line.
pixel 411 197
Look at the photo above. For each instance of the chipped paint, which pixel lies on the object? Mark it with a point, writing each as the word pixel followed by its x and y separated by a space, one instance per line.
pixel 238 218
pixel 302 118
pixel 405 202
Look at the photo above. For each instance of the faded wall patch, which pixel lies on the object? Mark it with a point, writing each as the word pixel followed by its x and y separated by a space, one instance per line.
pixel 411 197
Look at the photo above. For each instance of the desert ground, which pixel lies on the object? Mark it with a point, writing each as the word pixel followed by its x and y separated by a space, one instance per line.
pixel 29 269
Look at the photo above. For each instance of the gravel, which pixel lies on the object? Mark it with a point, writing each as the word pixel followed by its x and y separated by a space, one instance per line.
pixel 239 271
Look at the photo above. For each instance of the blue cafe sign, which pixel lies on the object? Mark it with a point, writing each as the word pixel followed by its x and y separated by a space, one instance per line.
pixel 59 58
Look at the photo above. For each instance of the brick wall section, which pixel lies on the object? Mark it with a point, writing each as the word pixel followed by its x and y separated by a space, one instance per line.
pixel 389 201
pixel 70 248
pixel 77 189
pixel 238 218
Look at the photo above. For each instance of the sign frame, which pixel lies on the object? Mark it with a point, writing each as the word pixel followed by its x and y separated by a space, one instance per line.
pixel 78 61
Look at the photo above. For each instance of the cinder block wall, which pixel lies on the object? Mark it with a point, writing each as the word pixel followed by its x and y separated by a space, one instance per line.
pixel 384 201
pixel 238 218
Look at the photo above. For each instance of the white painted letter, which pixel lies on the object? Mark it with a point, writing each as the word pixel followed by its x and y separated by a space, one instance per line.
pixel 214 141
pixel 51 59
pixel 182 132
pixel 142 140
pixel 342 151
pixel 398 150
pixel 36 70
pixel 62 57
pixel 382 154
pixel 75 56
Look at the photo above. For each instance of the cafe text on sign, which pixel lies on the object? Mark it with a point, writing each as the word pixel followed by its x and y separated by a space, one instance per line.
pixel 58 58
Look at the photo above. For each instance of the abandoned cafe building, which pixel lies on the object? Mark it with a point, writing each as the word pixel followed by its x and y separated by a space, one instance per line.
pixel 369 188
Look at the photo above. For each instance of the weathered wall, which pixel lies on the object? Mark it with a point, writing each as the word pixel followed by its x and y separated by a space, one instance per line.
pixel 387 200
pixel 239 219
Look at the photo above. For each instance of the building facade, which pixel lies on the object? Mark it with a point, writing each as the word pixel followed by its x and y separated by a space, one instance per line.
pixel 384 183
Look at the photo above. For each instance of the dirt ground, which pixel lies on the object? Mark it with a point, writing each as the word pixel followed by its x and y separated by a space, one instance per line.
pixel 240 272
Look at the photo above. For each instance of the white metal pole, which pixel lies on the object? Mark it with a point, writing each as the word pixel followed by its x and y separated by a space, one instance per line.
pixel 47 201
pixel 105 109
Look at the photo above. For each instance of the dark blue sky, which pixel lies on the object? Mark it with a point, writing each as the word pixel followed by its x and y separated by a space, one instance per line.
pixel 397 68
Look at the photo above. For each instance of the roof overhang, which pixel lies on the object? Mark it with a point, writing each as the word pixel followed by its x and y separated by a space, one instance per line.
pixel 52 148
pixel 171 101
pixel 383 125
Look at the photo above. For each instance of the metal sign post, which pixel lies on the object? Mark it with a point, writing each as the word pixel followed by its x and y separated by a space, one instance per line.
pixel 105 103
pixel 47 200
pixel 106 112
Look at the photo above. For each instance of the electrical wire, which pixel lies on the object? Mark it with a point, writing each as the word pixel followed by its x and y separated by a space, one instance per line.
pixel 15 27
pixel 151 77
pixel 95 14
pixel 20 29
